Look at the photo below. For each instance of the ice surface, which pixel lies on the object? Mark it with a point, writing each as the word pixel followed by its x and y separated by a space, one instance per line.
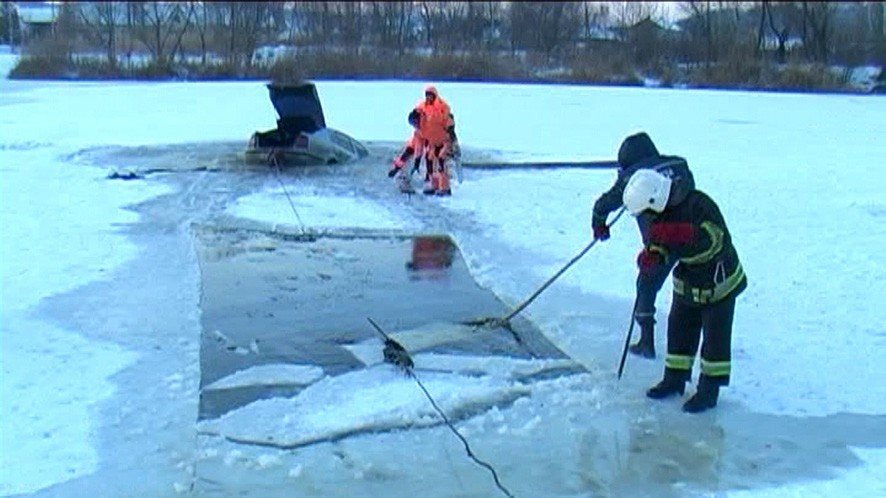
pixel 316 210
pixel 268 375
pixel 100 296
pixel 376 399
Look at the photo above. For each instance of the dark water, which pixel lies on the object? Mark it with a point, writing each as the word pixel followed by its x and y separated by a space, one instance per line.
pixel 267 299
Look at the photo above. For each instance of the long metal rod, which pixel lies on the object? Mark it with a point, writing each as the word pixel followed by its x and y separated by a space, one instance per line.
pixel 544 286
pixel 560 272
pixel 624 352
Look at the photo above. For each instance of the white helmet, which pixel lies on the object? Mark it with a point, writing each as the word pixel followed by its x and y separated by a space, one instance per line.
pixel 646 189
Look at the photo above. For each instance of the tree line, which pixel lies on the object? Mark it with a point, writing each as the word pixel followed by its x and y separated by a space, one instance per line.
pixel 587 40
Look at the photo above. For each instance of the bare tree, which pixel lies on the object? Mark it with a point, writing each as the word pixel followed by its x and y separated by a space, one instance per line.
pixel 460 25
pixel 276 13
pixel 253 27
pixel 427 14
pixel 475 25
pixel 451 16
pixel 781 34
pixel 702 29
pixel 165 24
pixel 546 27
pixel 594 15
pixel 761 27
pixel 392 22
pixel 493 20
pixel 100 22
pixel 351 24
pixel 315 21
pixel 244 24
pixel 201 23
pixel 817 32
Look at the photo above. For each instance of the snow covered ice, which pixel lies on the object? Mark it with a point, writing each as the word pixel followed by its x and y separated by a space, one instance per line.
pixel 101 306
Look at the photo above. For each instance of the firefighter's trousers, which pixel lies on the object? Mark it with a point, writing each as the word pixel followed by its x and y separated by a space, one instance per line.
pixel 686 323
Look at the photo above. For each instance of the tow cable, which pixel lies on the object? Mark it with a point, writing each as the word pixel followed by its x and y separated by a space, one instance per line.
pixel 396 354
pixel 274 161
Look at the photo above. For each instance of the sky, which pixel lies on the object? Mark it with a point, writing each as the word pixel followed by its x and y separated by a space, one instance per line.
pixel 101 327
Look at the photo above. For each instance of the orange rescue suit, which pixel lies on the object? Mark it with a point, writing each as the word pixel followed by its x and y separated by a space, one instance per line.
pixel 436 118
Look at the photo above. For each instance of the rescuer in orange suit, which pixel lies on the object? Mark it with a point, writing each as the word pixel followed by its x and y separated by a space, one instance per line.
pixel 438 129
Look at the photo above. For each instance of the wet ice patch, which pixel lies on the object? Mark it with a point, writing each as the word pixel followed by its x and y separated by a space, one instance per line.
pixel 420 341
pixel 250 243
pixel 269 375
pixel 495 366
pixel 862 480
pixel 415 339
pixel 25 145
pixel 372 400
pixel 315 210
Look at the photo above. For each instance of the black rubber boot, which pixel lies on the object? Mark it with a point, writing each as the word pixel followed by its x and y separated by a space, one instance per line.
pixel 673 383
pixel 645 347
pixel 705 397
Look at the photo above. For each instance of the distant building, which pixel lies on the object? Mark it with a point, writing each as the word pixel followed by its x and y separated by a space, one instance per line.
pixel 36 19
pixel 648 39
pixel 599 37
pixel 650 30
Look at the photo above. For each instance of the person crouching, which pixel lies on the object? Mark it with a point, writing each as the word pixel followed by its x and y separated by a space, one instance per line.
pixel 414 148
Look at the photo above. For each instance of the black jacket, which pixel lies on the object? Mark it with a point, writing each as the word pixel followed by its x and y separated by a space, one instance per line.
pixel 708 269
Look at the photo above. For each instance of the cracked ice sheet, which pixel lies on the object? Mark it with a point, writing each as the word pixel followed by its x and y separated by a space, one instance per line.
pixel 315 210
pixel 864 480
pixel 495 366
pixel 376 399
pixel 416 339
pixel 269 375
pixel 434 334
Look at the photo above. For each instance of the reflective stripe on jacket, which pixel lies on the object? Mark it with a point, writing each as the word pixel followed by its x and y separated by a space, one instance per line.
pixel 708 269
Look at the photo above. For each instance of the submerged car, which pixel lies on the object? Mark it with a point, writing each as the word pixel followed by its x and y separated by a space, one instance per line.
pixel 301 137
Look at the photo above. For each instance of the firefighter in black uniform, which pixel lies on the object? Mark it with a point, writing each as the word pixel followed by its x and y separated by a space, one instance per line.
pixel 707 279
pixel 638 152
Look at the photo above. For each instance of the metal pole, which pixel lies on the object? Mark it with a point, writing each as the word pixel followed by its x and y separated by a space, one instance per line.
pixel 624 352
pixel 560 272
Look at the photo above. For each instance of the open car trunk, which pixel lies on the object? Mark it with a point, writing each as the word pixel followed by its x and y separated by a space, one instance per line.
pixel 299 110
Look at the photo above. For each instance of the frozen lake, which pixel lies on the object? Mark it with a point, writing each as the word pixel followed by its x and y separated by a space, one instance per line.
pixel 115 382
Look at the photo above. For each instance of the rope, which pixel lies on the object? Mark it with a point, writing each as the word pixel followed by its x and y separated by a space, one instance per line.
pixel 458 435
pixel 406 364
pixel 272 159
